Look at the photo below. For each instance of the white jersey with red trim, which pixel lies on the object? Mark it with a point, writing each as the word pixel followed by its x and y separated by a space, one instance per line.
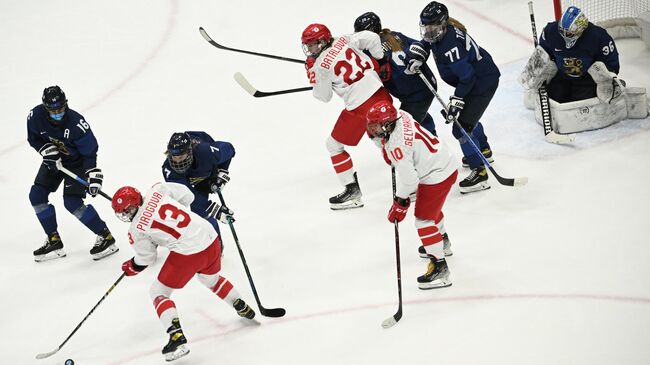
pixel 418 156
pixel 344 69
pixel 165 219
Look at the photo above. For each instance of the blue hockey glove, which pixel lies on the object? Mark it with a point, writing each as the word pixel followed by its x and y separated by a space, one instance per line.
pixel 51 156
pixel 95 179
pixel 454 107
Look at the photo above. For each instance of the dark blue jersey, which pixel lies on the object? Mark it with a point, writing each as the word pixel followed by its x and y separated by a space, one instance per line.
pixel 463 64
pixel 208 157
pixel 595 44
pixel 404 85
pixel 73 137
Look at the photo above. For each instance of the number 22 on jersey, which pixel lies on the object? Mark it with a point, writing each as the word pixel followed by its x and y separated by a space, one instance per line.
pixel 181 217
pixel 352 72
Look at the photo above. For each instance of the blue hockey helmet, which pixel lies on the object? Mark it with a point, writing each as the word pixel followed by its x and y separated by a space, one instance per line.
pixel 179 152
pixel 368 21
pixel 571 25
pixel 433 22
pixel 55 102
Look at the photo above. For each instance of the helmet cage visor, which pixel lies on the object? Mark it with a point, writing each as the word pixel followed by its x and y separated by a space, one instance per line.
pixel 127 214
pixel 180 162
pixel 381 129
pixel 313 49
pixel 433 32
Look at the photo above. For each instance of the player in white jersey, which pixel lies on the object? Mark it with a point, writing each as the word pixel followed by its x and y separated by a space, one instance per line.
pixel 423 165
pixel 338 65
pixel 163 218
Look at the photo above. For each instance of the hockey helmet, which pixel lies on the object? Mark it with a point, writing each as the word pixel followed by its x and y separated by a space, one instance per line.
pixel 571 25
pixel 368 21
pixel 381 119
pixel 179 152
pixel 433 22
pixel 314 39
pixel 55 102
pixel 126 202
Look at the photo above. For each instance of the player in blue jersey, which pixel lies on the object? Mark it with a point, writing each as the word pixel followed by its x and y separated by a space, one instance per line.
pixel 197 161
pixel 471 71
pixel 575 45
pixel 414 96
pixel 61 135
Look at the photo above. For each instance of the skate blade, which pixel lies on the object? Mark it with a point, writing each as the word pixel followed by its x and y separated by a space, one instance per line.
pixel 107 252
pixel 351 204
pixel 181 351
pixel 478 187
pixel 50 256
pixel 435 284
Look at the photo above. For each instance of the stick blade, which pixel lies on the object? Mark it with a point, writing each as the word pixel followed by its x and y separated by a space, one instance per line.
pixel 205 35
pixel 521 181
pixel 46 354
pixel 390 322
pixel 273 312
pixel 556 138
pixel 241 80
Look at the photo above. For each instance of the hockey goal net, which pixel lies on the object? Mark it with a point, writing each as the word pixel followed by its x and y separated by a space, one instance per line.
pixel 621 18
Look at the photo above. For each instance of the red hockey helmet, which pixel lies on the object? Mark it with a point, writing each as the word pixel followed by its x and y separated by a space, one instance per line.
pixel 314 39
pixel 381 119
pixel 126 202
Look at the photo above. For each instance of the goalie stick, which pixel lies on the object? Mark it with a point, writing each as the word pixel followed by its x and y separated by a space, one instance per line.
pixel 241 80
pixel 267 312
pixel 544 104
pixel 519 181
pixel 212 42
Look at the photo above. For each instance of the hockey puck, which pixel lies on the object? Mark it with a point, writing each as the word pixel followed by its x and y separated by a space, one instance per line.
pixel 69 362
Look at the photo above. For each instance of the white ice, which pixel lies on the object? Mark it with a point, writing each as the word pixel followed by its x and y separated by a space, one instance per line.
pixel 555 272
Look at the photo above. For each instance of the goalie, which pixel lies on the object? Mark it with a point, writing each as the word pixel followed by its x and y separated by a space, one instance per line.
pixel 578 63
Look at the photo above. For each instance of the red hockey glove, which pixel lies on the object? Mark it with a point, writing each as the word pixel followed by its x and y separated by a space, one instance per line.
pixel 130 268
pixel 309 64
pixel 399 209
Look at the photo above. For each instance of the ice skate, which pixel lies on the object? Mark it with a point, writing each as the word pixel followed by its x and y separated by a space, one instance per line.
pixel 476 181
pixel 177 345
pixel 446 248
pixel 487 153
pixel 243 309
pixel 51 249
pixel 437 276
pixel 350 197
pixel 104 245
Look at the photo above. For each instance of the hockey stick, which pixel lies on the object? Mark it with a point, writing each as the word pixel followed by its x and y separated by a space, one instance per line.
pixel 390 322
pixel 212 42
pixel 48 354
pixel 241 80
pixel 519 181
pixel 78 179
pixel 545 106
pixel 267 312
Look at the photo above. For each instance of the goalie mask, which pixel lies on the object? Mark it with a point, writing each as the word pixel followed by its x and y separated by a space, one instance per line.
pixel 315 38
pixel 381 119
pixel 571 26
pixel 179 152
pixel 126 202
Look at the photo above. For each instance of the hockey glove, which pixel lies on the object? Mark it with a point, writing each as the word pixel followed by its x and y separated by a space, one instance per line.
pixel 311 75
pixel 95 179
pixel 222 179
pixel 51 156
pixel 215 210
pixel 454 108
pixel 399 209
pixel 130 268
pixel 417 56
pixel 384 68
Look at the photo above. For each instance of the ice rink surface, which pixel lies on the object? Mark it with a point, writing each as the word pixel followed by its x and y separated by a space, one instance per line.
pixel 555 272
